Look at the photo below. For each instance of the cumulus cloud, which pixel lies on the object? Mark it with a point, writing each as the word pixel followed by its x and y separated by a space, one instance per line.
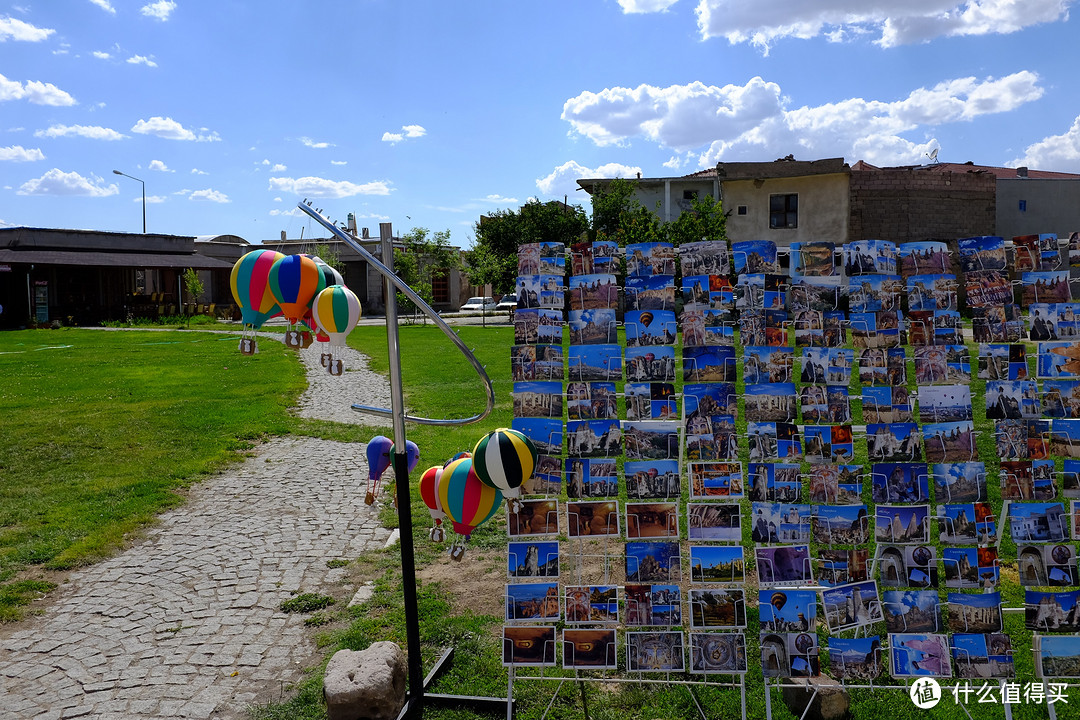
pixel 197 171
pixel 154 199
pixel 92 132
pixel 17 153
pixel 291 212
pixel 496 198
pixel 741 122
pixel 562 180
pixel 210 195
pixel 1056 152
pixel 58 182
pixel 765 21
pixel 35 92
pixel 141 60
pixel 278 167
pixel 104 5
pixel 645 6
pixel 101 55
pixel 171 130
pixel 407 132
pixel 313 144
pixel 159 10
pixel 13 29
pixel 159 166
pixel 339 162
pixel 316 187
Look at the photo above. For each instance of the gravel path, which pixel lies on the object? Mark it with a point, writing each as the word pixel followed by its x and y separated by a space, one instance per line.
pixel 186 622
pixel 331 398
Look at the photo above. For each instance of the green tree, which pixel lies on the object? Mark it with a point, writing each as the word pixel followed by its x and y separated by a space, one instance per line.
pixel 493 258
pixel 194 287
pixel 420 258
pixel 611 204
pixel 705 221
pixel 329 256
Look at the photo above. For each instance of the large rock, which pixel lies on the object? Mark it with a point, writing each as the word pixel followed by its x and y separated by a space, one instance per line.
pixel 831 703
pixel 366 685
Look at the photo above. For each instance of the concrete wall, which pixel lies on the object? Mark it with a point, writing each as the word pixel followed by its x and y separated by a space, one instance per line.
pixel 1052 206
pixel 823 208
pixel 911 204
pixel 665 196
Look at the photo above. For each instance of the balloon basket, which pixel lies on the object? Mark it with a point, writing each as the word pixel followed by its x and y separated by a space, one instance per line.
pixel 369 498
pixel 457 551
pixel 325 359
pixel 249 344
pixel 436 534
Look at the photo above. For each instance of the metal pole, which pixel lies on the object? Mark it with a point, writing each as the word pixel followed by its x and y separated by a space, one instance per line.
pixel 415 702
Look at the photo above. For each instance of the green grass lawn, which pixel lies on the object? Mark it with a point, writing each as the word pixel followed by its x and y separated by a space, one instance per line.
pixel 99 429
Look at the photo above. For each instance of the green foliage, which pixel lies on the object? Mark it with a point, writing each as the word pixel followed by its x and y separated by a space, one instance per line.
pixel 420 258
pixel 706 221
pixel 498 235
pixel 611 203
pixel 306 602
pixel 329 256
pixel 193 284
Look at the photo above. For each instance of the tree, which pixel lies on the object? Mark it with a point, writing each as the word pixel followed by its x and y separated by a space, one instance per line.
pixel 419 259
pixel 493 258
pixel 611 203
pixel 329 256
pixel 194 287
pixel 705 221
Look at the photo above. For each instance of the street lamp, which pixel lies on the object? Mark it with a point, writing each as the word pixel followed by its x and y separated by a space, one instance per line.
pixel 117 172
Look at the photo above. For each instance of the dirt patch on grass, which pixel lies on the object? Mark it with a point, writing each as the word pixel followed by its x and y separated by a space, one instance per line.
pixel 476 583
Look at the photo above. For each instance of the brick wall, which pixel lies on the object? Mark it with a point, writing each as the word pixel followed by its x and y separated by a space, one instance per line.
pixel 904 204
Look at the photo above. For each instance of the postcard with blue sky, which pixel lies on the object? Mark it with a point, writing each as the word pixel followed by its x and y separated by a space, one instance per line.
pixel 707 257
pixel 982 253
pixel 754 256
pixel 656 258
pixel 870 257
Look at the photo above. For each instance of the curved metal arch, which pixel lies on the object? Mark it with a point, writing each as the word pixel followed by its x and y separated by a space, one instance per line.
pixel 428 311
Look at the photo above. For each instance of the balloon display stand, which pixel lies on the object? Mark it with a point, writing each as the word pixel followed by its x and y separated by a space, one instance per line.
pixel 417 693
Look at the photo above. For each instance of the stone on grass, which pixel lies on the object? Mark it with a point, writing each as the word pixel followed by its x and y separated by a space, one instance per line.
pixel 367 684
pixel 831 703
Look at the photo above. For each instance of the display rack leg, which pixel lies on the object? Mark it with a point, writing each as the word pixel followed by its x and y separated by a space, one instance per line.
pixel 768 700
pixel 742 694
pixel 584 699
pixel 1051 710
pixel 693 697
pixel 1008 706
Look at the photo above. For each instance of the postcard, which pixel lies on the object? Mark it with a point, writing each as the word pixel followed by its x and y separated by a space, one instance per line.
pixel 970 568
pixel 788 610
pixel 919 655
pixel 754 256
pixel 790 655
pixel 1053 321
pixel 982 253
pixel 538 399
pixel 950 441
pixel 1052 611
pixel 592 604
pixel 987 288
pixel 708 257
pixel 774 402
pixel 760 291
pixel 911 611
pixel 774 482
pixel 828 443
pixel 1064 439
pixel 841 525
pixel 932 292
pixel 832 483
pixel 535 602
pixel 827 366
pixel 653 604
pixel 591 478
pixel 707 327
pixel 656 258
pixel 591 401
pixel 853 605
pixel 1070 474
pixel 1028 480
pixel 893 442
pixel 1001 361
pixel 593 291
pixel 529 645
pixel 709 363
pixel 652 520
pixel 546 478
pixel 529 259
pixel 918 258
pixel 886 404
pixel 767 364
pixel 1038 522
pixel 653 562
pixel 593 438
pixel 655 652
pixel 589 649
pixel 996 323
pixel 815 293
pixel 1052 565
pixel 645 328
pixel 538 558
pixel 869 257
pixel 652 479
pixel 943 363
pixel 815 258
pixel 650 401
pixel 1057 656
pixel 774 441
pixel 975 612
pixel 855 658
pixel 902 523
pixel 540 291
pixel 945 403
pixel 592 327
pixel 717 564
pixel 538 325
pixel 959 481
pixel 714 521
pixel 717 608
pixel 648 364
pixel 546 433
pixel 593 519
pixel 650 440
pixel 536 362
pixel 594 362
pixel 534 517
pixel 1061 398
pixel 1045 287
pixel 650 293
pixel 786 565
pixel 899 482
pixel 717 653
pixel 711 438
pixel 1058 359
pixel 841 567
pixel 875 293
pixel 908 566
pixel 780 522
pixel 715 480
pixel 875 329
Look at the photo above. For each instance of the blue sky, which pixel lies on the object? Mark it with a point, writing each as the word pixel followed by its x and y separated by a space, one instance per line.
pixel 430 114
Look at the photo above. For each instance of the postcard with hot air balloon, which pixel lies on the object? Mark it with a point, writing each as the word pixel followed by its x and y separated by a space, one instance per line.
pixel 788 610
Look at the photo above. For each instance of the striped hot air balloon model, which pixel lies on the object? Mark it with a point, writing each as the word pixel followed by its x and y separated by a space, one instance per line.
pixel 294 281
pixel 336 310
pixel 504 459
pixel 467 502
pixel 249 282
pixel 429 493
pixel 330 276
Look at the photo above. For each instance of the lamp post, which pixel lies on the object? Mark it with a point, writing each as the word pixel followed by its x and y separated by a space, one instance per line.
pixel 117 172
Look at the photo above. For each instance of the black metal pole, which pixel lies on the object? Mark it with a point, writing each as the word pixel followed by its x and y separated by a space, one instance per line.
pixel 408 586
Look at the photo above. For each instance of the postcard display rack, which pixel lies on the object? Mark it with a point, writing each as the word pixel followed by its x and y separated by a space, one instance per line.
pixel 651 488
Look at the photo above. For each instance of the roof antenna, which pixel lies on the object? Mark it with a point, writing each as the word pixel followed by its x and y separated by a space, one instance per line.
pixel 933 155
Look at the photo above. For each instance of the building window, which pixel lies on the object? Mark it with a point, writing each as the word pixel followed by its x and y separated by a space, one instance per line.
pixel 741 210
pixel 784 211
pixel 689 195
pixel 440 287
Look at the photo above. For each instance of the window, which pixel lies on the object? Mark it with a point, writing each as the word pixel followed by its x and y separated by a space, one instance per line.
pixel 784 211
pixel 689 195
pixel 440 287
pixel 741 210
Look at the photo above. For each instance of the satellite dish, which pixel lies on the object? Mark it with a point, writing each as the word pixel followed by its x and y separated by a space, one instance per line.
pixel 933 155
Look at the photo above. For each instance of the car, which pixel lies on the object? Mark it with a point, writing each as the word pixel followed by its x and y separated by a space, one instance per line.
pixel 509 302
pixel 478 304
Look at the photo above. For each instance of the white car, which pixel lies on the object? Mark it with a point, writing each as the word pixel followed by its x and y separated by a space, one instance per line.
pixel 479 304
pixel 509 302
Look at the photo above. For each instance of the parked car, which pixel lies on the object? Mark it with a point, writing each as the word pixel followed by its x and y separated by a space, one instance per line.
pixel 509 302
pixel 479 304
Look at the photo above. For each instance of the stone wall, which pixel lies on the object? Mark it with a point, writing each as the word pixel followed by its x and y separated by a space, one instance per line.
pixel 912 204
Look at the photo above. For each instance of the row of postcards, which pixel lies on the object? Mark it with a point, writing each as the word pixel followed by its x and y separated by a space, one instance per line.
pixel 795 654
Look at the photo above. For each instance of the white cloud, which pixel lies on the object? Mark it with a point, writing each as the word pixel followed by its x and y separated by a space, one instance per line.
pixel 211 195
pixel 159 10
pixel 1056 152
pixel 339 162
pixel 141 60
pixel 407 132
pixel 312 144
pixel 291 212
pixel 159 166
pixel 315 187
pixel 17 153
pixel 496 198
pixel 277 199
pixel 105 5
pixel 4 224
pixel 645 6
pixel 562 180
pixel 764 21
pixel 742 122
pixel 100 55
pixel 35 92
pixel 58 182
pixel 171 130
pixel 673 162
pixel 197 171
pixel 278 167
pixel 92 132
pixel 13 29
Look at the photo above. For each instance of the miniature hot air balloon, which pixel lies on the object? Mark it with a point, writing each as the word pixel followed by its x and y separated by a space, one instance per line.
pixel 429 493
pixel 459 456
pixel 294 281
pixel 330 276
pixel 467 502
pixel 504 459
pixel 412 455
pixel 336 310
pixel 249 282
pixel 378 457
